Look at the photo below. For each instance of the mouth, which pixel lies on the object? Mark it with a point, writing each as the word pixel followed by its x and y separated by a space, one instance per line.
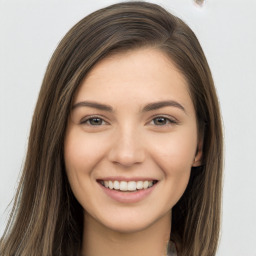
pixel 127 186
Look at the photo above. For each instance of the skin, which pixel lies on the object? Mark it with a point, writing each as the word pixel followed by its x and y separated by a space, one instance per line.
pixel 132 140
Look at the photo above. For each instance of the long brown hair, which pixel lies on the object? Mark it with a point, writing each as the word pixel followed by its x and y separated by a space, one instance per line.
pixel 46 218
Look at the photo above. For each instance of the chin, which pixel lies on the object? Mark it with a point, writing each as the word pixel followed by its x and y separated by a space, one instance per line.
pixel 132 222
pixel 128 227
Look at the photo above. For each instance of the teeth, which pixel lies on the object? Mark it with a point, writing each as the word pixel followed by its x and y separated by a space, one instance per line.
pixel 110 185
pixel 131 185
pixel 139 185
pixel 116 185
pixel 123 186
pixel 128 186
pixel 145 184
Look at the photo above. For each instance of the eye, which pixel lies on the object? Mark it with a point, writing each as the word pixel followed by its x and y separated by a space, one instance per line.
pixel 93 121
pixel 160 121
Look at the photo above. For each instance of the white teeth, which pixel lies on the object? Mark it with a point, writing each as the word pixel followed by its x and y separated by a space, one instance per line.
pixel 127 186
pixel 110 185
pixel 123 186
pixel 116 185
pixel 145 184
pixel 131 185
pixel 139 185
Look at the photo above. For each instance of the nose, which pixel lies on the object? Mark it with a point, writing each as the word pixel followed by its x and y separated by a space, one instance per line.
pixel 127 148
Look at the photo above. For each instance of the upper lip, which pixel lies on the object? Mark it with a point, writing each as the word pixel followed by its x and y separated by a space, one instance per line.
pixel 120 178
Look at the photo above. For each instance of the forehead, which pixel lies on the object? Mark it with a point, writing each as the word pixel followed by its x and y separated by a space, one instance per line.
pixel 146 74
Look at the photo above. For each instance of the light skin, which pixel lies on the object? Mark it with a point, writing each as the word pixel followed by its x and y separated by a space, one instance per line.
pixel 132 118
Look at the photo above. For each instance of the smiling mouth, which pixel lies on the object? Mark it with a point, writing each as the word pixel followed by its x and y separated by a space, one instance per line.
pixel 127 186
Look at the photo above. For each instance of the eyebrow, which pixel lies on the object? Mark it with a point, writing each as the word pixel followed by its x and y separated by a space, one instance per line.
pixel 147 108
pixel 161 104
pixel 92 104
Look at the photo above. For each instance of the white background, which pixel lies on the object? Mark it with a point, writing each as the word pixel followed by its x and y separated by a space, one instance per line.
pixel 31 30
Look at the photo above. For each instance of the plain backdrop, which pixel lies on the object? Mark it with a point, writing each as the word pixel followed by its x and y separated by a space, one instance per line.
pixel 31 30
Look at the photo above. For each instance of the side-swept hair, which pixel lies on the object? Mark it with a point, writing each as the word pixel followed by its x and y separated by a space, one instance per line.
pixel 46 218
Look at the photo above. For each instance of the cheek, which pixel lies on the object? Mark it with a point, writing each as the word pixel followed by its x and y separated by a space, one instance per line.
pixel 82 152
pixel 81 155
pixel 175 153
pixel 174 156
pixel 176 167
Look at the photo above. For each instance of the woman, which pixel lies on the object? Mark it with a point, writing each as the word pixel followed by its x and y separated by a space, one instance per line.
pixel 125 149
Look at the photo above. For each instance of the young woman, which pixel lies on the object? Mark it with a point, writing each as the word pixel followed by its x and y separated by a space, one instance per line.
pixel 125 149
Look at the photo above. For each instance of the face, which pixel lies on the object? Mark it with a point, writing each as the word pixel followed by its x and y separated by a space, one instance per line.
pixel 131 140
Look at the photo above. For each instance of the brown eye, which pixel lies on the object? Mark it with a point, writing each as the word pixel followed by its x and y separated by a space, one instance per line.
pixel 159 121
pixel 93 121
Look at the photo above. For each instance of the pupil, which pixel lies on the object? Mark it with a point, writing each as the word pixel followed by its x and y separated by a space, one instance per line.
pixel 160 121
pixel 95 121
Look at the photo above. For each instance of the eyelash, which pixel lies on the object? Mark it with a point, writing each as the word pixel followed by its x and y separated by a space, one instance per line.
pixel 167 121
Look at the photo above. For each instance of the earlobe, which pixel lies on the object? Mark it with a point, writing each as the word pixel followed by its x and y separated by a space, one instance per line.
pixel 199 155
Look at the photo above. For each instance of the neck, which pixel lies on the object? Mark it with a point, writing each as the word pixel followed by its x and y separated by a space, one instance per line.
pixel 100 240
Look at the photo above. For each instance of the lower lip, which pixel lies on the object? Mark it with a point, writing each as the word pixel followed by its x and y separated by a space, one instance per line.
pixel 128 197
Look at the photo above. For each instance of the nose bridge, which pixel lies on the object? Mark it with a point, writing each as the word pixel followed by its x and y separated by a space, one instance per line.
pixel 127 147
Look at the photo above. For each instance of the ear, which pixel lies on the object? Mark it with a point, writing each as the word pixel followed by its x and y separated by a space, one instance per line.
pixel 199 155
